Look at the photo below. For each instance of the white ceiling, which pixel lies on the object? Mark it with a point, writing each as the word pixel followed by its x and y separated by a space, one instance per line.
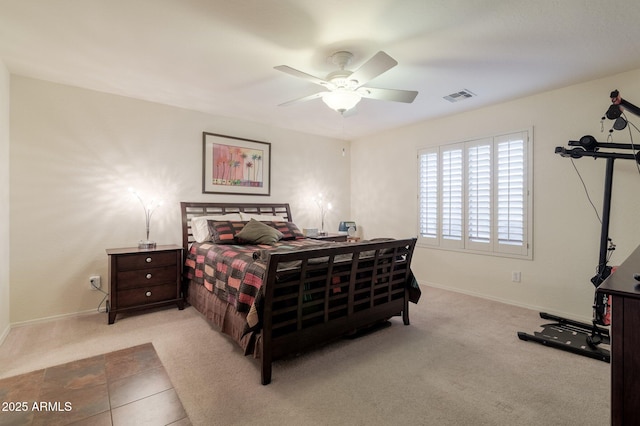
pixel 217 56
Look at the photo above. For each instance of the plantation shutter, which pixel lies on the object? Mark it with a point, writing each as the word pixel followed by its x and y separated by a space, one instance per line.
pixel 479 196
pixel 428 196
pixel 452 197
pixel 511 193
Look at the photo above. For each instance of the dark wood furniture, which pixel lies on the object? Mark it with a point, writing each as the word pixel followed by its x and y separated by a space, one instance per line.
pixel 190 210
pixel 303 306
pixel 140 279
pixel 624 291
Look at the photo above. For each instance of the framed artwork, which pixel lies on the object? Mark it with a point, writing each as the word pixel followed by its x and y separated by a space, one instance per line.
pixel 233 165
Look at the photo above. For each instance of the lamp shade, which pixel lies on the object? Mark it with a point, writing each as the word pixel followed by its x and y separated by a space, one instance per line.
pixel 341 100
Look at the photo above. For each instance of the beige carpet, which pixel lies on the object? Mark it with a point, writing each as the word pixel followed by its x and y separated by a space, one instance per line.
pixel 458 363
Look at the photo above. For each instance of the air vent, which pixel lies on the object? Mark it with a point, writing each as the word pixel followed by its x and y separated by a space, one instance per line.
pixel 459 96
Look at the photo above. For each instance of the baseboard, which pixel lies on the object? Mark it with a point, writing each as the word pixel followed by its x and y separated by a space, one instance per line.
pixel 512 303
pixel 5 333
pixel 57 317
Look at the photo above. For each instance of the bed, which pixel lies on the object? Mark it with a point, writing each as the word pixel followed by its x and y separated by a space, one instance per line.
pixel 287 296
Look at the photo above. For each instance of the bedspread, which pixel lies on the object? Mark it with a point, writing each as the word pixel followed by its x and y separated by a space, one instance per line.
pixel 234 273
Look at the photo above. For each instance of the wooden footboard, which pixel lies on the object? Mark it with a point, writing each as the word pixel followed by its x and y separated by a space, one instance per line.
pixel 317 295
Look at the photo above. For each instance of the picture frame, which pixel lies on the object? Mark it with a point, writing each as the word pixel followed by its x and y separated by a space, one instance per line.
pixel 232 165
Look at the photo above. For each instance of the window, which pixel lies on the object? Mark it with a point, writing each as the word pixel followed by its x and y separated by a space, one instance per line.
pixel 475 196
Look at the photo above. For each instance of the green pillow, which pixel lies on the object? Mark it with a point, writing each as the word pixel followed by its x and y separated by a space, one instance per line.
pixel 255 232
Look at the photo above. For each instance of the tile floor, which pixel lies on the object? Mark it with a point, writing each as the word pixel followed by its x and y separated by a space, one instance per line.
pixel 126 387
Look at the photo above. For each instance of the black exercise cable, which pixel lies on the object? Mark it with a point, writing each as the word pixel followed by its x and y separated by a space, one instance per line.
pixel 586 191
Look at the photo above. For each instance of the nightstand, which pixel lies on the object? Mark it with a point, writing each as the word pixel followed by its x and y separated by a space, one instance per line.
pixel 331 237
pixel 140 279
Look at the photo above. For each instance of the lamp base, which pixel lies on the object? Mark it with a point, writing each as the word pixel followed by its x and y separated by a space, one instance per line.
pixel 147 245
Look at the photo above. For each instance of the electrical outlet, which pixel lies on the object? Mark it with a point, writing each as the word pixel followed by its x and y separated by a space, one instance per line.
pixel 94 282
pixel 516 276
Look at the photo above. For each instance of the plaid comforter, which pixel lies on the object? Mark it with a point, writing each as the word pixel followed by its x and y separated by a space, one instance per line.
pixel 234 273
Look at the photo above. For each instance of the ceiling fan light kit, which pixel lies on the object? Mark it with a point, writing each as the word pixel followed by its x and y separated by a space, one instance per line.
pixel 344 89
pixel 341 100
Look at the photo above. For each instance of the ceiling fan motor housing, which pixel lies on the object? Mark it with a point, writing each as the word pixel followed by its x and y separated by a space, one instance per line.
pixel 340 79
pixel 341 58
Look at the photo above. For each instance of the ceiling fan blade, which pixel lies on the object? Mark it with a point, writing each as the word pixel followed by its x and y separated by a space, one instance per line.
pixel 406 96
pixel 375 66
pixel 303 99
pixel 294 72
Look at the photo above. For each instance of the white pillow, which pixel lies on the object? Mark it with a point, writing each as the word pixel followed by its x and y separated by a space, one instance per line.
pixel 200 227
pixel 262 217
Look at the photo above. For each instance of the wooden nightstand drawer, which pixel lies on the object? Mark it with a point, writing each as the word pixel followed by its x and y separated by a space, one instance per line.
pixel 147 277
pixel 140 279
pixel 145 260
pixel 145 295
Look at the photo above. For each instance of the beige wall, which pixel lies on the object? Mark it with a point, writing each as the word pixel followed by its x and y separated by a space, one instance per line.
pixel 566 232
pixel 4 201
pixel 75 152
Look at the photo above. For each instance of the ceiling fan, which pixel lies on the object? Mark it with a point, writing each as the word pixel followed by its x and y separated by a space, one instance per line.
pixel 344 88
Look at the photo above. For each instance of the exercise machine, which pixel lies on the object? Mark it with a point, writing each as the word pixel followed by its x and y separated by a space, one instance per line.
pixel 574 336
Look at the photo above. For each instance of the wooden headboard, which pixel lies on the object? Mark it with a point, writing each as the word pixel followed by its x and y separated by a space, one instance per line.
pixel 190 210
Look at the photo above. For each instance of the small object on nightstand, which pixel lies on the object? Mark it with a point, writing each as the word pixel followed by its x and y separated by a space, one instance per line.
pixel 349 227
pixel 140 279
pixel 345 226
pixel 310 232
pixel 146 245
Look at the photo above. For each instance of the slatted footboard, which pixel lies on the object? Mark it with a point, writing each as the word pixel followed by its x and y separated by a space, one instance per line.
pixel 317 295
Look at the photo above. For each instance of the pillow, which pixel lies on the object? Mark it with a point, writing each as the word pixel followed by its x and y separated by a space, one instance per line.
pixel 200 227
pixel 224 232
pixel 289 230
pixel 256 232
pixel 262 217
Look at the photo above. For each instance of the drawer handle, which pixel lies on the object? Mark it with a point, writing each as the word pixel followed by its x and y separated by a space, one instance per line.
pixel 148 276
pixel 148 294
pixel 148 260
